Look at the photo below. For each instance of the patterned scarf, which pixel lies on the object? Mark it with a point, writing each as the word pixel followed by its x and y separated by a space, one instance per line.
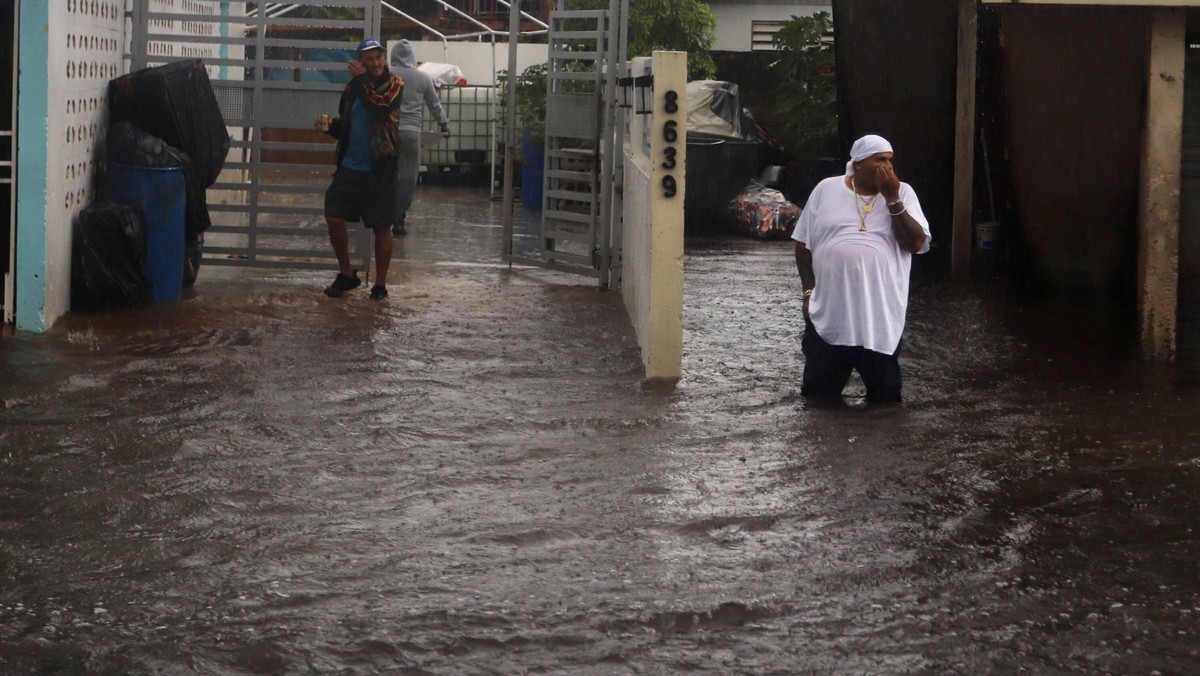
pixel 385 129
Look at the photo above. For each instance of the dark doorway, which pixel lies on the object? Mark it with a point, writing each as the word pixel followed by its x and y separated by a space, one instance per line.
pixel 1189 213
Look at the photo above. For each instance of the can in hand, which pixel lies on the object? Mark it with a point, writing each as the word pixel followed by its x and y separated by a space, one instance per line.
pixel 324 120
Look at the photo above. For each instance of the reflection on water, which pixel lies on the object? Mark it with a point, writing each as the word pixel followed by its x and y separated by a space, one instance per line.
pixel 470 478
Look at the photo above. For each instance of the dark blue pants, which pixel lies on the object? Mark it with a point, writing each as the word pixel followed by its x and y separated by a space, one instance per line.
pixel 827 368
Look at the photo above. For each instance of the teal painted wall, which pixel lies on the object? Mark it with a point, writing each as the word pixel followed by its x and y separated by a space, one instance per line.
pixel 223 52
pixel 32 116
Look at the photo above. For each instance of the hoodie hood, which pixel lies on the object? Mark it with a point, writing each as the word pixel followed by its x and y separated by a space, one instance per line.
pixel 402 55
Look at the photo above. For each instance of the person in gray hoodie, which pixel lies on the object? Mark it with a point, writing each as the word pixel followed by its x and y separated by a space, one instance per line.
pixel 419 93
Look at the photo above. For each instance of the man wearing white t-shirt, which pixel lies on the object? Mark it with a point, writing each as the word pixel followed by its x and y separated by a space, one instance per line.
pixel 854 246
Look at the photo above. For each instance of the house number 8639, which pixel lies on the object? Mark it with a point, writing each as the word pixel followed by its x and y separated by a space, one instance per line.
pixel 670 135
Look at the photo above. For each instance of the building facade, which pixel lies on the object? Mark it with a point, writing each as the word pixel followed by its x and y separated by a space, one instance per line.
pixel 64 55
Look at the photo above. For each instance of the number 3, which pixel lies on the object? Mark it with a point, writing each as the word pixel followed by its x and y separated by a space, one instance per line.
pixel 669 163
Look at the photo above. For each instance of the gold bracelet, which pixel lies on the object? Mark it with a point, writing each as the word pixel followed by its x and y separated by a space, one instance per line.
pixel 807 294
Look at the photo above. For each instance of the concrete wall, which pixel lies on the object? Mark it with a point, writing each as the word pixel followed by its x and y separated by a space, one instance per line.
pixel 652 235
pixel 479 61
pixel 68 53
pixel 1159 220
pixel 735 18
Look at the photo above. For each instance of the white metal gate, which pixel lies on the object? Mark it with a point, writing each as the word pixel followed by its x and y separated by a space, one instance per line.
pixel 576 232
pixel 272 75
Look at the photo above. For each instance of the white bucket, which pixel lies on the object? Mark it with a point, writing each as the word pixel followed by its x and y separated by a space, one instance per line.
pixel 986 235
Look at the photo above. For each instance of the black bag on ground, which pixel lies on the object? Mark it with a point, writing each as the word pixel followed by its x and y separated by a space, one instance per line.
pixel 175 102
pixel 107 254
pixel 193 253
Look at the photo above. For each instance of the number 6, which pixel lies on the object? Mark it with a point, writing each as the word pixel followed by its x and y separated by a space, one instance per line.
pixel 669 133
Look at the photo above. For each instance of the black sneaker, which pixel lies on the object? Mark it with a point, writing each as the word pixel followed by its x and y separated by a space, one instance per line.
pixel 342 284
pixel 378 292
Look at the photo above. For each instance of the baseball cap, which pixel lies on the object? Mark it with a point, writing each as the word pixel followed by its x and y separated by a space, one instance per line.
pixel 369 44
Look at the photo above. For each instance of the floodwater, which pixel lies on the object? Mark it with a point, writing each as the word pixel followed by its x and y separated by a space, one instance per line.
pixel 471 478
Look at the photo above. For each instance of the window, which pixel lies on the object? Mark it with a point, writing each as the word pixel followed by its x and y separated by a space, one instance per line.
pixel 761 34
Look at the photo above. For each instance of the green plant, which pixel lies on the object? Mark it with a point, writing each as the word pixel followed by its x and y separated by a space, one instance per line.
pixel 808 102
pixel 531 99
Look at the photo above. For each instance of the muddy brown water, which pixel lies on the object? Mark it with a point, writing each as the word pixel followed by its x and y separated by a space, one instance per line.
pixel 471 478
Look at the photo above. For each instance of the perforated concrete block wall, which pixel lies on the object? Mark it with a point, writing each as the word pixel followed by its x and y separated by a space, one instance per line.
pixel 85 40
pixel 79 46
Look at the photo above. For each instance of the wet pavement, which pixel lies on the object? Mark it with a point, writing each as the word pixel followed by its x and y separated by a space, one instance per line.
pixel 472 478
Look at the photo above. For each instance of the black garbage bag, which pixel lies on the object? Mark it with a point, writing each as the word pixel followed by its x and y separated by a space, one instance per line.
pixel 175 102
pixel 133 146
pixel 193 252
pixel 107 255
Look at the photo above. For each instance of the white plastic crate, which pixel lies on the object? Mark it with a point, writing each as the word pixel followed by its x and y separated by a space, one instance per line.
pixel 472 112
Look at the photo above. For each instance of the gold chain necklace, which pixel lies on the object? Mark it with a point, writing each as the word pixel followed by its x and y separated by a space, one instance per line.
pixel 865 205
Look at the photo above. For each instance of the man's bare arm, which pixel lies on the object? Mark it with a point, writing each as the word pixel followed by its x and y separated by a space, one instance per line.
pixel 908 232
pixel 804 266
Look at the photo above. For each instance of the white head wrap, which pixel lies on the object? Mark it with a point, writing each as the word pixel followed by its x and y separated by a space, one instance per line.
pixel 866 147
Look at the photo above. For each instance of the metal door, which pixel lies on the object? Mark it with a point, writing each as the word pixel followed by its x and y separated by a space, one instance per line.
pixel 576 232
pixel 272 75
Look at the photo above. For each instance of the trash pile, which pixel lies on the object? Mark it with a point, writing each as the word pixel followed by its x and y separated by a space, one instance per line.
pixel 763 212
pixel 108 254
pixel 726 149
pixel 166 144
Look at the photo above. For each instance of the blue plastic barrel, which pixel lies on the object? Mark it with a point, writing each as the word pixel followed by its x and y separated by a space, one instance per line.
pixel 531 172
pixel 161 194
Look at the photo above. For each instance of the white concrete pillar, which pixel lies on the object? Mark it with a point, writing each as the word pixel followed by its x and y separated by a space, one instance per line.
pixel 1159 217
pixel 663 353
pixel 652 223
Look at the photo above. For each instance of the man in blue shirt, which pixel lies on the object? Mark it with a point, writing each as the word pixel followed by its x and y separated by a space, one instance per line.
pixel 364 182
pixel 420 93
